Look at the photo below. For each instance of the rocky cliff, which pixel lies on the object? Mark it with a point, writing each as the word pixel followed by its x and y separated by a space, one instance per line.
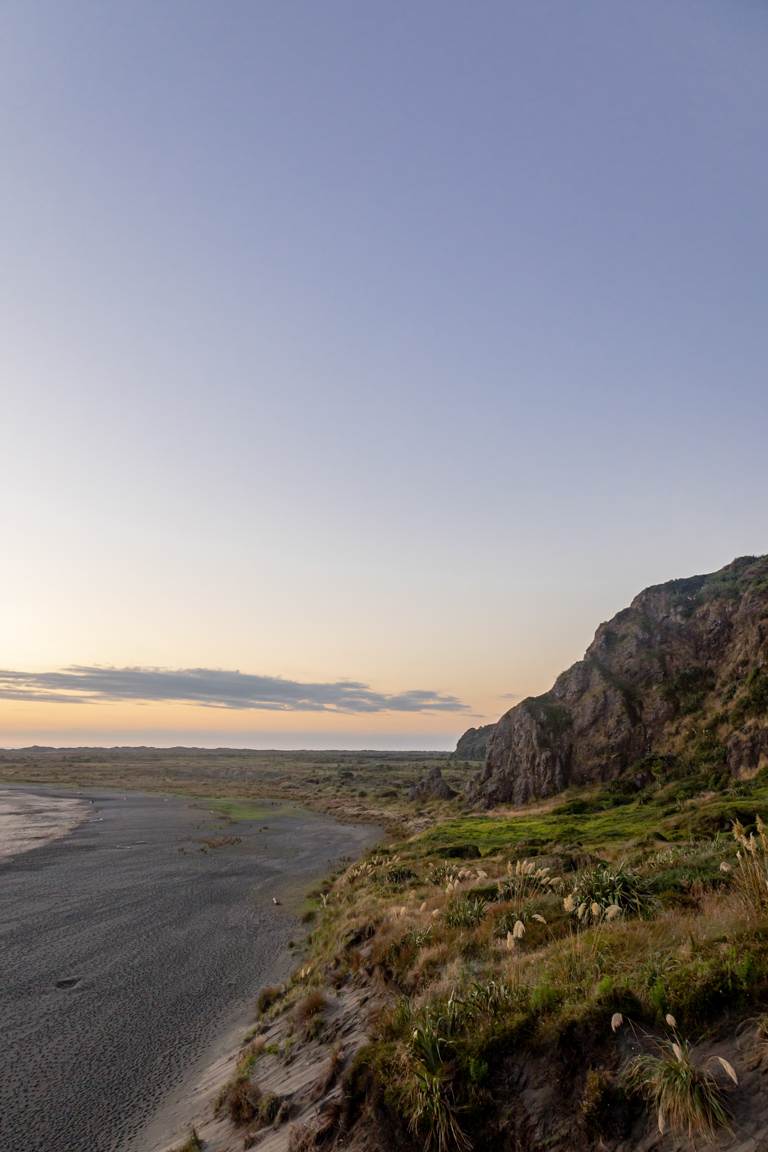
pixel 677 682
pixel 473 745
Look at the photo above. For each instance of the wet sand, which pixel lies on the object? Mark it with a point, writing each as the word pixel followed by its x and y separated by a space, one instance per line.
pixel 130 950
pixel 29 821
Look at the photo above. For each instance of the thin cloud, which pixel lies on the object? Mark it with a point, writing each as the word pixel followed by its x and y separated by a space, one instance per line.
pixel 509 695
pixel 214 688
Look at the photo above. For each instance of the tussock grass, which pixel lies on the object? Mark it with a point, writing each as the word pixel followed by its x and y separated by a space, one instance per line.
pixel 753 1039
pixel 318 1134
pixel 269 1108
pixel 332 1069
pixel 523 886
pixel 249 1054
pixel 685 1096
pixel 267 997
pixel 310 1005
pixel 309 1011
pixel 751 869
pixel 301 1138
pixel 241 1099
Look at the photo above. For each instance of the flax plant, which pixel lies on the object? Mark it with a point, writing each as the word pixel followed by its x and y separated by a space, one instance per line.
pixel 429 1097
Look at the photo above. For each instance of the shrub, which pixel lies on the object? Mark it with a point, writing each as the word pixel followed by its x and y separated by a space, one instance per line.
pixel 688 689
pixel 462 851
pixel 707 752
pixel 366 1072
pixel 709 985
pixel 507 923
pixel 579 807
pixel 546 996
pixel 680 874
pixel 754 699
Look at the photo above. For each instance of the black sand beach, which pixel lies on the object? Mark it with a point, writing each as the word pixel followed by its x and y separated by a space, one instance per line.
pixel 126 950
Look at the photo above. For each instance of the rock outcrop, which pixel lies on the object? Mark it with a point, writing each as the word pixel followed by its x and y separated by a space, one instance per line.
pixel 473 745
pixel 433 786
pixel 677 681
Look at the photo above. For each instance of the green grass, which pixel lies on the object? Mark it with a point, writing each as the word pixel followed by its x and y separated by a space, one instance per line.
pixel 640 822
pixel 249 810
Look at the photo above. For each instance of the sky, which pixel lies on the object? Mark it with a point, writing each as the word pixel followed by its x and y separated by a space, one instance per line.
pixel 357 360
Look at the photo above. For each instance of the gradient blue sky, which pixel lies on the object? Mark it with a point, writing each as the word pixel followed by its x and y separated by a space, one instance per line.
pixel 389 343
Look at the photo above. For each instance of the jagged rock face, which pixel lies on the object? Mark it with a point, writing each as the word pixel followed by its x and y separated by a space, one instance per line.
pixel 682 673
pixel 433 786
pixel 473 745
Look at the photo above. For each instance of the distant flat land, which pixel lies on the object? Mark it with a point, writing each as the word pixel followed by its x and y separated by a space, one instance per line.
pixel 128 946
pixel 370 786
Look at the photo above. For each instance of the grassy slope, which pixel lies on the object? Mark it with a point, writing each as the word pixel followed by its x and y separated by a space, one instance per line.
pixel 599 820
pixel 492 1034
